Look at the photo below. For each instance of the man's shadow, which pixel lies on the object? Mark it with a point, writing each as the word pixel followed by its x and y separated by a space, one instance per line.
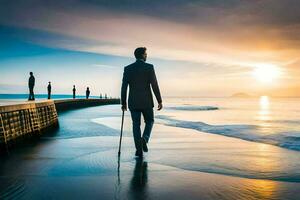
pixel 138 184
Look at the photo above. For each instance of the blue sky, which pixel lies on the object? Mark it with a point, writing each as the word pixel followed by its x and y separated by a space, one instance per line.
pixel 199 47
pixel 63 68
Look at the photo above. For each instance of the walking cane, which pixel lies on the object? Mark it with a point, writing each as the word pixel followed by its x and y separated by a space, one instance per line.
pixel 119 153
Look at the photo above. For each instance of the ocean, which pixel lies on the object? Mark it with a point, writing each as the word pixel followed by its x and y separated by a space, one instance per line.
pixel 264 119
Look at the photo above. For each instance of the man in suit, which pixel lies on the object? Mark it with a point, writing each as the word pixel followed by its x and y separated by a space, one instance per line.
pixel 49 90
pixel 140 77
pixel 87 92
pixel 74 92
pixel 31 83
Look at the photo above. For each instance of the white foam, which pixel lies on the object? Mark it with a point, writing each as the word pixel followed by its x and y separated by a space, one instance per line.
pixel 242 131
pixel 193 108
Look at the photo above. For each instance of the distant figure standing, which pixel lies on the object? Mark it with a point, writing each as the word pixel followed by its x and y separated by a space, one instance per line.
pixel 49 90
pixel 31 83
pixel 140 77
pixel 100 95
pixel 74 92
pixel 87 92
pixel 105 96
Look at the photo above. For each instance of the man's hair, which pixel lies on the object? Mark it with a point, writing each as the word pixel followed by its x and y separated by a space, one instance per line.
pixel 138 52
pixel 31 73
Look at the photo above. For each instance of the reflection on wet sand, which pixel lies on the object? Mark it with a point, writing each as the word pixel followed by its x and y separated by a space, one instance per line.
pixel 256 189
pixel 262 162
pixel 138 183
pixel 264 189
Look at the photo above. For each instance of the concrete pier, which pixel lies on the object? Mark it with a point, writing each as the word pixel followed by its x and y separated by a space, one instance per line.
pixel 23 120
pixel 32 118
pixel 70 104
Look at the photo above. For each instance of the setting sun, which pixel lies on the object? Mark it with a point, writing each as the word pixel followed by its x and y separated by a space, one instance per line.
pixel 266 73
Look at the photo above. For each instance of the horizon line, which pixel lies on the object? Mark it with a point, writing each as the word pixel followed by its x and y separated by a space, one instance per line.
pixel 177 96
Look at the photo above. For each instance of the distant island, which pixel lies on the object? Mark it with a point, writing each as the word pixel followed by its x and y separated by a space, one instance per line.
pixel 241 95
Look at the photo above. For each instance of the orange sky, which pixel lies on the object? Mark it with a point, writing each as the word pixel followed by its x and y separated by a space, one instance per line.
pixel 219 44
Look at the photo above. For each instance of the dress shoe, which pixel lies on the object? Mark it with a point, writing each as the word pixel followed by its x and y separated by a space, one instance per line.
pixel 139 154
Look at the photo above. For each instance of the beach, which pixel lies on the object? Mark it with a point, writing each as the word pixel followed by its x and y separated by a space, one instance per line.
pixel 223 79
pixel 79 160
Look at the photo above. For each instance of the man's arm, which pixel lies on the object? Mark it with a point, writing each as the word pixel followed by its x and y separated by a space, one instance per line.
pixel 155 88
pixel 124 90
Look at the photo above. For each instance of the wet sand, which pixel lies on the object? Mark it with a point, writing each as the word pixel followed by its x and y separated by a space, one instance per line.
pixel 181 164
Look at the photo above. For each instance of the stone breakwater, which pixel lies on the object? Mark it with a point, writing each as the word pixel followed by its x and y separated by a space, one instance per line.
pixel 23 120
pixel 32 118
pixel 70 104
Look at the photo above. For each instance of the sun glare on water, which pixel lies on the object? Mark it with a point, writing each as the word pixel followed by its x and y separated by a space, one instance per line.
pixel 266 73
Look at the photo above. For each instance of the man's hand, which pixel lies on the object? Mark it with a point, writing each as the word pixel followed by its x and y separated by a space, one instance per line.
pixel 160 106
pixel 124 108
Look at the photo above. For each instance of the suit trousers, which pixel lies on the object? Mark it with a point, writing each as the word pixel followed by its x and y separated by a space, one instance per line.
pixel 136 125
pixel 31 94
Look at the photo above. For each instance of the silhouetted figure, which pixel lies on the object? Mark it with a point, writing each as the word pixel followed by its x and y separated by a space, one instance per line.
pixel 105 96
pixel 31 83
pixel 139 76
pixel 49 90
pixel 100 95
pixel 88 92
pixel 74 92
pixel 138 184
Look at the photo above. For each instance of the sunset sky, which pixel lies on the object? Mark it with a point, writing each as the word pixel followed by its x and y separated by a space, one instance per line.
pixel 198 48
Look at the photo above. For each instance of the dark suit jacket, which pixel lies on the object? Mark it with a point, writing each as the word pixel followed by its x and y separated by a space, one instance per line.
pixel 31 82
pixel 49 88
pixel 139 76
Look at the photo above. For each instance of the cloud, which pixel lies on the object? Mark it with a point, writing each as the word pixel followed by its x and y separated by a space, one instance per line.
pixel 188 30
pixel 228 37
pixel 106 66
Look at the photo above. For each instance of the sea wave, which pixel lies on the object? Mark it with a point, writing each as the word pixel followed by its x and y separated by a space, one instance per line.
pixel 193 108
pixel 247 132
